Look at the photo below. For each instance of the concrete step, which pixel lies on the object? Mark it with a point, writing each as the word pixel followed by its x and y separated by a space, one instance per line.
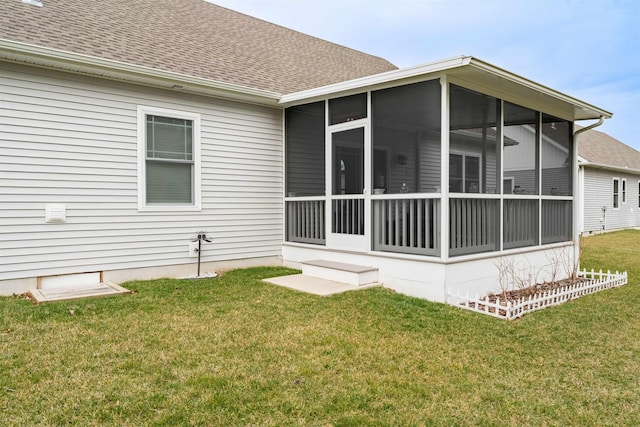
pixel 355 275
pixel 315 285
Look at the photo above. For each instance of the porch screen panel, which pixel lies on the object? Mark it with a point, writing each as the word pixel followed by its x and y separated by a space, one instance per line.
pixel 557 143
pixel 406 138
pixel 557 221
pixel 305 150
pixel 520 150
pixel 473 141
pixel 347 108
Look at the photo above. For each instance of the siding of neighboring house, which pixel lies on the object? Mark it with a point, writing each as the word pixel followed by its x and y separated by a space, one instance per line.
pixel 72 140
pixel 598 185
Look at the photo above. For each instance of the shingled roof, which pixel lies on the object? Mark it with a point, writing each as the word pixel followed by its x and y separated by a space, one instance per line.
pixel 190 37
pixel 604 150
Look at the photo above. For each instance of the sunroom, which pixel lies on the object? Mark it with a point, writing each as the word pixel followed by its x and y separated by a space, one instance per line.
pixel 431 174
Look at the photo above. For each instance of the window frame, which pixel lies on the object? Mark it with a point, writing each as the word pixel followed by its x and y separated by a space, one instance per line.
pixel 623 190
pixel 465 155
pixel 142 113
pixel 615 193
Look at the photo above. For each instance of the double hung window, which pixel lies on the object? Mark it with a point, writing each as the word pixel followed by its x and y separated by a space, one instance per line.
pixel 168 147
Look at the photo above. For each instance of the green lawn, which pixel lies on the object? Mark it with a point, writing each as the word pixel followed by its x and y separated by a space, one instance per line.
pixel 236 351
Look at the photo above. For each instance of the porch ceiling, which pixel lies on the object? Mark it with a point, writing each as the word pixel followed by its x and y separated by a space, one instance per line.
pixel 467 71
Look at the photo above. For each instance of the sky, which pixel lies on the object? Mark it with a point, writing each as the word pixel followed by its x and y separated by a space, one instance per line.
pixel 588 49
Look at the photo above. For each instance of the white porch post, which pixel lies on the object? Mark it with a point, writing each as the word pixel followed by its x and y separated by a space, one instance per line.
pixel 328 190
pixel 444 169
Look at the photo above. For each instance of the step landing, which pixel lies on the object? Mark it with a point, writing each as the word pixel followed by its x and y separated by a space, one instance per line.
pixel 355 275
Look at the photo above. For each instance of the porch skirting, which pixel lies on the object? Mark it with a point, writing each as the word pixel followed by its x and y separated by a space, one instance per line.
pixel 433 279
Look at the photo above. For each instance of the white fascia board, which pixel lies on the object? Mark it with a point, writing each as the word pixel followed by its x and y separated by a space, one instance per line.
pixel 499 72
pixel 376 79
pixel 122 71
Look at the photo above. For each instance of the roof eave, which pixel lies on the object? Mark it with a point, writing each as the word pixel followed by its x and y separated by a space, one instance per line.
pixel 115 70
pixel 377 79
pixel 471 70
pixel 590 112
pixel 613 168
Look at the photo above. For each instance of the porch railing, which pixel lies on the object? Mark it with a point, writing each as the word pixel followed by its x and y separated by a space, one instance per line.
pixel 520 223
pixel 305 221
pixel 557 221
pixel 409 226
pixel 473 225
pixel 348 216
pixel 412 225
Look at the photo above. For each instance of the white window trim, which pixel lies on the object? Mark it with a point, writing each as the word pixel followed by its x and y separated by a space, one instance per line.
pixel 639 195
pixel 623 190
pixel 613 194
pixel 143 111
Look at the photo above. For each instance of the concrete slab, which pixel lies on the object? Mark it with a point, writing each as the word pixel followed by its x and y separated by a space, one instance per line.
pixel 315 285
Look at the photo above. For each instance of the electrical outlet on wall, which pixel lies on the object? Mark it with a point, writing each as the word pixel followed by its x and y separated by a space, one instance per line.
pixel 193 249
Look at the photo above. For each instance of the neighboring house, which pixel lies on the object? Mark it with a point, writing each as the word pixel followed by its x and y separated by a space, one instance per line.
pixel 129 125
pixel 609 183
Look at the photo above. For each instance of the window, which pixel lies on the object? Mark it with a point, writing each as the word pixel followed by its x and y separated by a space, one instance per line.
pixel 638 194
pixel 168 159
pixel 624 191
pixel 616 193
pixel 464 173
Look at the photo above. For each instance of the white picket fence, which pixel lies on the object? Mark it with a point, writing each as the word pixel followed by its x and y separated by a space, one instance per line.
pixel 592 281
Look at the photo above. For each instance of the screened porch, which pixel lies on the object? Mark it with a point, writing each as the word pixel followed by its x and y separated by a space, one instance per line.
pixel 375 172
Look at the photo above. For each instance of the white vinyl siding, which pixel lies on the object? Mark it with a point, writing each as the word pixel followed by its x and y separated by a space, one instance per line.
pixel 598 194
pixel 72 140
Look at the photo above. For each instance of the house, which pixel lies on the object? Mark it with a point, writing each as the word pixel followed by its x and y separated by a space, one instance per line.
pixel 609 181
pixel 128 126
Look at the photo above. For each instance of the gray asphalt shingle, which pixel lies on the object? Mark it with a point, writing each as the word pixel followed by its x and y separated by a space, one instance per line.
pixel 190 37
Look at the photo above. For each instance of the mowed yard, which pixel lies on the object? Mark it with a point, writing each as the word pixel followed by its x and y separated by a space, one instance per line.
pixel 236 351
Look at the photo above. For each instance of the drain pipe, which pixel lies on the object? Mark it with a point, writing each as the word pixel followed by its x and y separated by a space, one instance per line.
pixel 578 219
pixel 591 126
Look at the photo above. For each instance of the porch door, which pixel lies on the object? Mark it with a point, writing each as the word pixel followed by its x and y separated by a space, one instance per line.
pixel 348 208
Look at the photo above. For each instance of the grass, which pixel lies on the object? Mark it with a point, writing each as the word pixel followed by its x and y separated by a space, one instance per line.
pixel 236 351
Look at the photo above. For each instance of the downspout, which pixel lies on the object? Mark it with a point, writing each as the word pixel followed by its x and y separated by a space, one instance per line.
pixel 577 218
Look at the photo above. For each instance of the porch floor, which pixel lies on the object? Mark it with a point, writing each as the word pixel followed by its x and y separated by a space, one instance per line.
pixel 316 285
pixel 77 292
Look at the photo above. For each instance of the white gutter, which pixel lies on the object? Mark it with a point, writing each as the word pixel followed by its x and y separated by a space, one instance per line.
pixel 591 126
pixel 117 70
